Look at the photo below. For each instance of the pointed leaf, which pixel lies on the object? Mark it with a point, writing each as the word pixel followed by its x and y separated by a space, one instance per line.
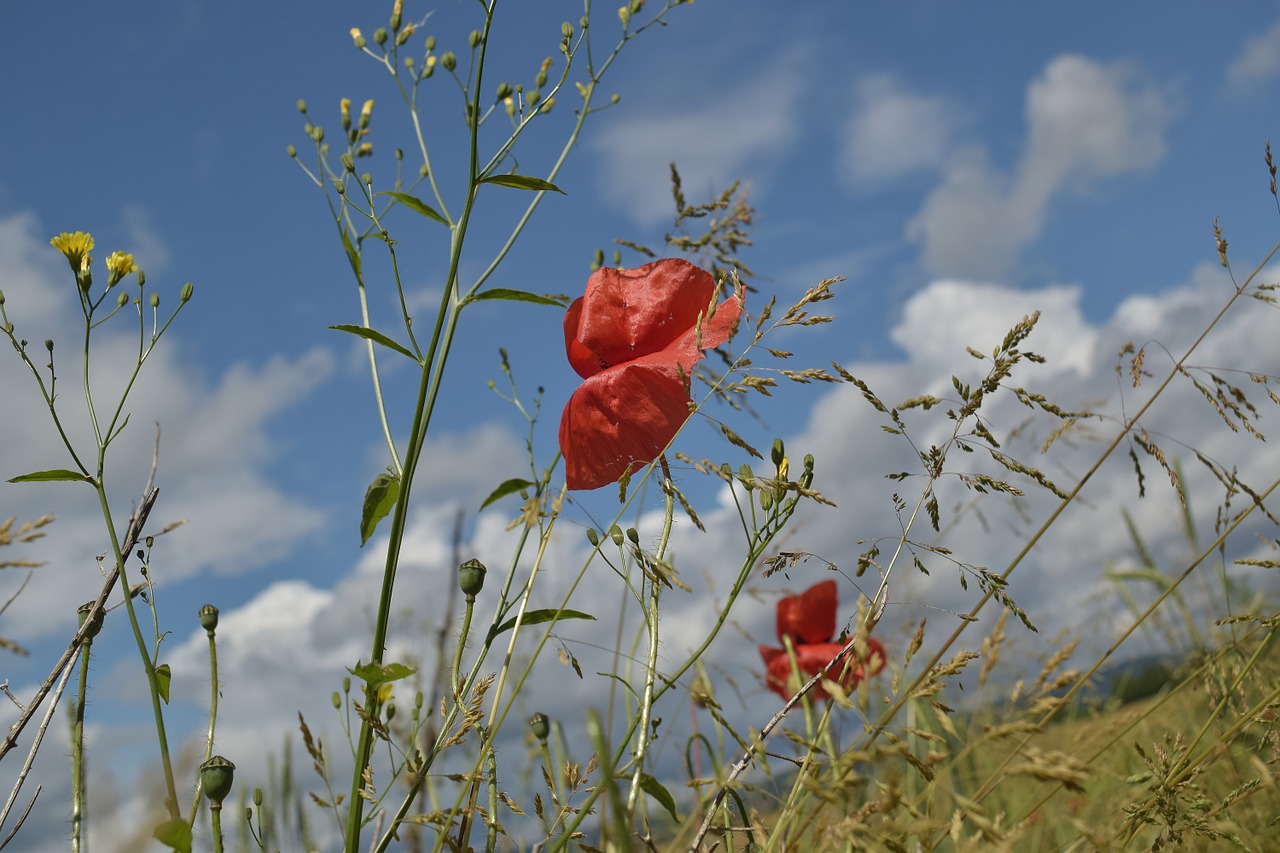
pixel 514 296
pixel 654 788
pixel 375 336
pixel 174 834
pixel 523 182
pixel 163 677
pixel 377 674
pixel 54 474
pixel 378 501
pixel 353 257
pixel 510 486
pixel 535 617
pixel 418 206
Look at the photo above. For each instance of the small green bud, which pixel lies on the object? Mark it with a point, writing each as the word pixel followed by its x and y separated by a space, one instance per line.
pixel 533 97
pixel 216 778
pixel 583 22
pixel 346 685
pixel 48 344
pixel 615 533
pixel 624 15
pixel 471 577
pixel 408 63
pixel 474 38
pixel 566 30
pixel 636 6
pixel 613 99
pixel 336 699
pixel 122 299
pixel 358 38
pixel 431 43
pixel 291 151
pixel 302 106
pixel 142 278
pixel 633 535
pixel 395 16
pixel 777 453
pixel 188 290
pixel 548 104
pixel 380 36
pixel 449 61
pixel 504 91
pixel 540 725
pixel 86 610
pixel 746 476
pixel 155 300
pixel 417 699
pixel 593 537
pixel 1 297
pixel 367 178
pixel 339 188
pixel 348 162
pixel 391 711
pixel 317 134
pixel 257 797
pixel 766 500
pixel 208 618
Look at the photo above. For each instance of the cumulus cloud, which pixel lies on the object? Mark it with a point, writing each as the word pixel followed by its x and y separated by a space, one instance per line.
pixel 893 132
pixel 712 144
pixel 1086 121
pixel 1258 59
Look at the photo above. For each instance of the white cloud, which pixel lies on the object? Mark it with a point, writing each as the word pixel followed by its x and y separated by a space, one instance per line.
pixel 144 241
pixel 893 132
pixel 1086 121
pixel 712 145
pixel 1258 59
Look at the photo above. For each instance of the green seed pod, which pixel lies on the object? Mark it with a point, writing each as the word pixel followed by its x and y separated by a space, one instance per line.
pixel 83 615
pixel 208 618
pixel 471 577
pixel 216 778
pixel 540 725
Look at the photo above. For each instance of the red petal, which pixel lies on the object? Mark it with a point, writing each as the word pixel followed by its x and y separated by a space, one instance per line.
pixel 624 415
pixel 809 617
pixel 777 670
pixel 629 314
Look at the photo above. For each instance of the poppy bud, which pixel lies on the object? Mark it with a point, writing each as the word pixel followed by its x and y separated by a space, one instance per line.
pixel 471 577
pixel 540 725
pixel 84 614
pixel 208 618
pixel 216 777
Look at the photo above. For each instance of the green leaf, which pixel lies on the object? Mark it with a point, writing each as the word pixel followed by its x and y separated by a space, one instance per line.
pixel 55 474
pixel 378 501
pixel 353 257
pixel 375 674
pixel 175 834
pixel 375 336
pixel 523 182
pixel 163 677
pixel 653 788
pixel 513 485
pixel 535 617
pixel 514 296
pixel 416 204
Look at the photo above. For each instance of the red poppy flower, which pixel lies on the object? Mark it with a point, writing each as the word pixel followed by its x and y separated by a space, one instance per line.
pixel 634 338
pixel 809 619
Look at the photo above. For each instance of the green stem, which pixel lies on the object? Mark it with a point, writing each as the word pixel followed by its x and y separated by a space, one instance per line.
pixel 213 719
pixel 215 816
pixel 78 794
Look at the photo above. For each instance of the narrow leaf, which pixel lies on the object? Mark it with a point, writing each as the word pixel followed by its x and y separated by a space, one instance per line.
pixel 353 257
pixel 163 676
pixel 375 336
pixel 378 501
pixel 523 182
pixel 55 474
pixel 535 617
pixel 416 204
pixel 514 296
pixel 174 834
pixel 654 788
pixel 509 487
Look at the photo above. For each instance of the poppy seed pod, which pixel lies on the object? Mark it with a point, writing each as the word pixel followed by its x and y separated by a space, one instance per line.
pixel 540 725
pixel 216 778
pixel 84 614
pixel 471 577
pixel 209 618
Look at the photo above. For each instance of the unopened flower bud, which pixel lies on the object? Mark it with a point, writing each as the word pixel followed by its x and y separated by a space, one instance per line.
pixel 540 726
pixel 291 151
pixel 395 15
pixel 302 105
pixel 449 61
pixel 348 162
pixel 615 533
pixel 593 537
pixel 380 36
pixel 208 618
pixel 777 453
pixel 155 300
pixel 48 344
pixel 633 535
pixel 336 700
pixel 766 500
pixel 344 110
pixel 474 38
pixel 122 299
pixel 258 797
pixel 366 111
pixel 358 38
pixel 216 778
pixel 624 15
pixel 471 577
pixel 504 91
pixel 431 43
pixel 187 290
pixel 405 35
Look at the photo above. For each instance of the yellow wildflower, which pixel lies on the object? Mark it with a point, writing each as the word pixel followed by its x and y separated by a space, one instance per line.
pixel 365 112
pixel 119 265
pixel 344 106
pixel 75 247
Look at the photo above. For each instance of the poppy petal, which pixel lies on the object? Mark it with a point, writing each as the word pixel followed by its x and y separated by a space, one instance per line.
pixel 619 417
pixel 809 617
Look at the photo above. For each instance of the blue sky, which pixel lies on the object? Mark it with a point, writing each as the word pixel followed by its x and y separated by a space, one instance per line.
pixel 959 165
